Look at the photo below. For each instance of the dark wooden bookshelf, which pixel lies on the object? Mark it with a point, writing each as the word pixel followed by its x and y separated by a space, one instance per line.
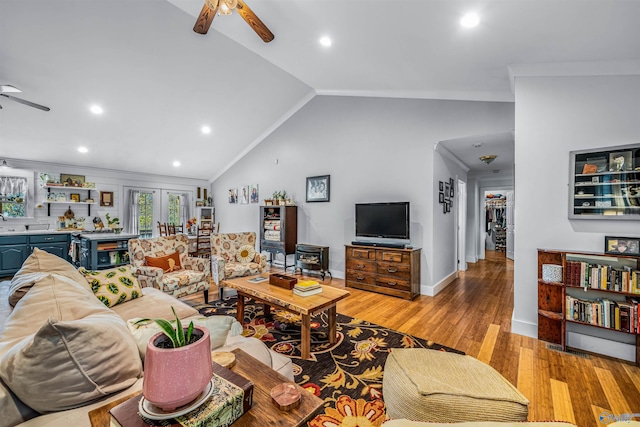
pixel 552 318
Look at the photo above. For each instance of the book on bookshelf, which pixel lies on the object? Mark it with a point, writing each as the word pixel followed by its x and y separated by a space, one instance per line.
pixel 617 315
pixel 604 277
pixel 306 293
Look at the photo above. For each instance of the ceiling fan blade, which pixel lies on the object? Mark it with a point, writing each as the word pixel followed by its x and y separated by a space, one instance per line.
pixel 25 102
pixel 205 19
pixel 254 22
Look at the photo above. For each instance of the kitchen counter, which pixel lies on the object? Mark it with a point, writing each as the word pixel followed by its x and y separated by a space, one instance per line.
pixel 107 236
pixel 6 232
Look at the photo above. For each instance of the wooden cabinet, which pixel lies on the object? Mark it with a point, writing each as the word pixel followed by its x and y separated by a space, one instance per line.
pixel 387 271
pixel 13 252
pixel 279 230
pixel 57 244
pixel 100 252
pixel 593 290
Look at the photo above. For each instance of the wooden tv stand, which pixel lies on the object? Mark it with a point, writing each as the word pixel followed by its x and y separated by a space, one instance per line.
pixel 390 271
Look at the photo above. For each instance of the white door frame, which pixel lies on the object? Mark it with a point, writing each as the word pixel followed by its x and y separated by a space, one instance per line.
pixel 462 225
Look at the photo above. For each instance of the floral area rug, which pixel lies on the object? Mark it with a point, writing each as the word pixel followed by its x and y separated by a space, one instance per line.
pixel 353 366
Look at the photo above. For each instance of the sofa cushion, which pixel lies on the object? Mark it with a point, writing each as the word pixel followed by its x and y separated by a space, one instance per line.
pixel 220 327
pixel 114 285
pixel 52 296
pixel 168 263
pixel 12 409
pixel 68 363
pixel 155 304
pixel 178 279
pixel 246 253
pixel 40 263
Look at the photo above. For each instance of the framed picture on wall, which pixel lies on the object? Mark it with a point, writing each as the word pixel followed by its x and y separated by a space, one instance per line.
pixel 233 195
pixel 253 193
pixel 106 198
pixel 318 188
pixel 71 180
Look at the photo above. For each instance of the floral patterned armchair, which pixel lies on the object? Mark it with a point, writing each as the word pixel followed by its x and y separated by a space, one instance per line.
pixel 231 256
pixel 193 275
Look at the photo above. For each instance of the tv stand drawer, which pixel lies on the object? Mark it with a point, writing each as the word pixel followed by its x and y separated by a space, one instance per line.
pixel 388 271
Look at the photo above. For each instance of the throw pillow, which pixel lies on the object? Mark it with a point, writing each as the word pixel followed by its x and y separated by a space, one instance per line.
pixel 219 328
pixel 246 253
pixel 66 364
pixel 167 263
pixel 114 285
pixel 39 264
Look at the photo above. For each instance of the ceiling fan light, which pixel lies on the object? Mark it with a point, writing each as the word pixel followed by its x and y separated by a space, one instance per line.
pixel 227 6
pixel 9 89
pixel 4 165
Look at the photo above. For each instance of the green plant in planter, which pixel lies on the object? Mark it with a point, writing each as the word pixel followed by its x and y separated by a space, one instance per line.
pixel 112 221
pixel 176 335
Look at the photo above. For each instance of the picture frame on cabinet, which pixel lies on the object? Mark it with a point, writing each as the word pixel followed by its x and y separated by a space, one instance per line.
pixel 620 161
pixel 74 197
pixel 622 245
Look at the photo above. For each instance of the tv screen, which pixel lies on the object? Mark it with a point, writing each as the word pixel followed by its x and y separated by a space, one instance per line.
pixel 387 220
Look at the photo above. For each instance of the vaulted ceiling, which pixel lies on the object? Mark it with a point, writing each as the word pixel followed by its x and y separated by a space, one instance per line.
pixel 159 82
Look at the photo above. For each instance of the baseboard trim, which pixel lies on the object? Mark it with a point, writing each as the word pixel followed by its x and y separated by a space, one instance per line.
pixel 433 290
pixel 521 327
pixel 610 348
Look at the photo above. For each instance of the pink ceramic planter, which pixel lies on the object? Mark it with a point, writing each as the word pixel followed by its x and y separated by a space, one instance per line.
pixel 175 376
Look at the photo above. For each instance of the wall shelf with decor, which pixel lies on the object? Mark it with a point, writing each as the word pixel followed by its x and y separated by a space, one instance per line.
pixel 66 192
pixel 605 183
pixel 592 290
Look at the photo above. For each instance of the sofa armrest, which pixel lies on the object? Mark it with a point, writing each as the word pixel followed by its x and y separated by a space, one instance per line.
pixel 261 259
pixel 198 264
pixel 217 268
pixel 147 271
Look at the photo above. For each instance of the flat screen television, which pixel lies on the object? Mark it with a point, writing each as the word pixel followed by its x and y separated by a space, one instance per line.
pixel 383 220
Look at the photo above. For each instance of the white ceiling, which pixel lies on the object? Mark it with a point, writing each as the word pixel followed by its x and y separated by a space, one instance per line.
pixel 159 82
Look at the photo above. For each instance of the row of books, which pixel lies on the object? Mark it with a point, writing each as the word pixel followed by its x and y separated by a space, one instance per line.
pixel 605 277
pixel 305 288
pixel 618 315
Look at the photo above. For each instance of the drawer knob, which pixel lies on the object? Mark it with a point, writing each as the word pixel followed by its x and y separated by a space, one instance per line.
pixel 392 283
pixel 48 238
pixel 392 269
pixel 360 277
pixel 359 265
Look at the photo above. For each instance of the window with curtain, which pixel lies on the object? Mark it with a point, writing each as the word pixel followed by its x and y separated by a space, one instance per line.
pixel 13 196
pixel 140 215
pixel 178 208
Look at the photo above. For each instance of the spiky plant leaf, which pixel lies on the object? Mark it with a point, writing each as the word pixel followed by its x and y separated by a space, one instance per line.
pixel 168 330
pixel 179 330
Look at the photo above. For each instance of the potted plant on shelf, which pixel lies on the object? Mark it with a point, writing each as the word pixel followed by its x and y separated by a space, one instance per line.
pixel 177 364
pixel 113 223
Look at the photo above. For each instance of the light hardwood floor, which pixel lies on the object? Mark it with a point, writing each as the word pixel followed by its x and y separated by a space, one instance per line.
pixel 473 314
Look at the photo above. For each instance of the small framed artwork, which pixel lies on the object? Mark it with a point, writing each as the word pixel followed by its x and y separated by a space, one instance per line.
pixel 244 195
pixel 318 188
pixel 620 161
pixel 441 186
pixel 71 180
pixel 106 198
pixel 440 197
pixel 595 179
pixel 74 197
pixel 254 197
pixel 622 245
pixel 233 195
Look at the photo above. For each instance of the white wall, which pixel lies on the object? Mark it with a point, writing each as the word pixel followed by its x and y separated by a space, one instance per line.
pixel 555 115
pixel 375 149
pixel 105 180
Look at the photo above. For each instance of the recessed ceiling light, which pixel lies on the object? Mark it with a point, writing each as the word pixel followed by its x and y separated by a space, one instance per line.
pixel 176 164
pixel 478 144
pixel 205 129
pixel 96 109
pixel 83 149
pixel 325 41
pixel 470 20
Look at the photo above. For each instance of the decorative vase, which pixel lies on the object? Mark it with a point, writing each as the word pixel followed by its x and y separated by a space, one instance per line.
pixel 175 376
pixel 282 202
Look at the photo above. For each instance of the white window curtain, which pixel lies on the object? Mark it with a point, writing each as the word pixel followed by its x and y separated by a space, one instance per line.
pixel 132 219
pixel 13 195
pixel 185 208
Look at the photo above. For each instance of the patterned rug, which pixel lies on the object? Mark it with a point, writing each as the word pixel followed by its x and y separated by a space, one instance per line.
pixel 353 366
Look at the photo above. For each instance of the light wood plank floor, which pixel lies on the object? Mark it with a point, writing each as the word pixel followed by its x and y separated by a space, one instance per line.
pixel 473 314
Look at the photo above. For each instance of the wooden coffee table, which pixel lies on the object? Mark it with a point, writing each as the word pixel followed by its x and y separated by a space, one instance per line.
pixel 262 413
pixel 285 299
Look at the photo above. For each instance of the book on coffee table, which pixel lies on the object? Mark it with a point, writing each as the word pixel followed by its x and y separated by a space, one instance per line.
pixel 231 398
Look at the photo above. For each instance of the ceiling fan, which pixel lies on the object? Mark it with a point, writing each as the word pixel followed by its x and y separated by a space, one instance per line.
pixel 13 89
pixel 226 7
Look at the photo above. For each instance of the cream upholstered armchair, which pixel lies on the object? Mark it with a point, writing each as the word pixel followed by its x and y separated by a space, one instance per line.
pixel 234 255
pixel 163 263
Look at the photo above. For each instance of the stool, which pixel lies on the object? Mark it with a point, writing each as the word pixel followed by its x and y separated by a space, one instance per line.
pixel 436 386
